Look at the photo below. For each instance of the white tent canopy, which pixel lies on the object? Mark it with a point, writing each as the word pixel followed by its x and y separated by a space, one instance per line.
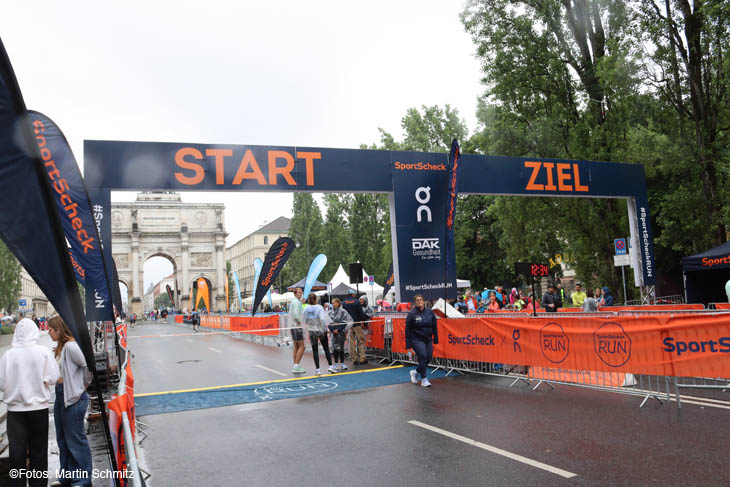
pixel 372 292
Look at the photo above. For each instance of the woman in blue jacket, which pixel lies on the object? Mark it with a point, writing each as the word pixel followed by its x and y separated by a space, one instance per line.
pixel 421 336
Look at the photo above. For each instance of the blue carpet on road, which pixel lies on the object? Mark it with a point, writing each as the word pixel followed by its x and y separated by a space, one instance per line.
pixel 274 390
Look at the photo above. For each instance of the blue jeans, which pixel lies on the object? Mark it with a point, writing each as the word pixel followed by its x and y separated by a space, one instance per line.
pixel 73 446
pixel 424 352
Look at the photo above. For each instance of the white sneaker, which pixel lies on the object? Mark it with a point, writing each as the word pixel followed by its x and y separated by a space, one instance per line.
pixel 425 383
pixel 332 369
pixel 298 369
pixel 414 376
pixel 317 372
pixel 344 367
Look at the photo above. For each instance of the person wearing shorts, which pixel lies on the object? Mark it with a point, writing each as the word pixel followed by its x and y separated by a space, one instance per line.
pixel 294 322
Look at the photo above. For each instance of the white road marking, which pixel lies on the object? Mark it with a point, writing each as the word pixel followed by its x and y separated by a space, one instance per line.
pixel 700 403
pixel 214 349
pixel 498 451
pixel 188 340
pixel 272 370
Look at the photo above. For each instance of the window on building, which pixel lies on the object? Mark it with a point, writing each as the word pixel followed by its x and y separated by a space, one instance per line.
pixel 266 240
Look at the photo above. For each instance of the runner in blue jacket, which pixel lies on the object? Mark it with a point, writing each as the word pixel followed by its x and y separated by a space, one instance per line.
pixel 421 336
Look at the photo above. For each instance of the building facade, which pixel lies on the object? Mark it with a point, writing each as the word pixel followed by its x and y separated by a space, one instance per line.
pixel 243 253
pixel 32 301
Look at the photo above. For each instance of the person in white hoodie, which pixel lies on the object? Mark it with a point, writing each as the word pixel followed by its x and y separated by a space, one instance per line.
pixel 27 373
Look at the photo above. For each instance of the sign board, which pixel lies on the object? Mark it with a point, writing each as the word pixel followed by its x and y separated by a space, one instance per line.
pixel 619 245
pixel 416 183
pixel 623 259
pixel 371 280
pixel 22 303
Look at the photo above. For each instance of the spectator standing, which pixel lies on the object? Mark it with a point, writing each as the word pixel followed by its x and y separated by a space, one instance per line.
pixel 493 305
pixel 27 373
pixel 317 321
pixel 589 303
pixel 421 336
pixel 471 302
pixel 597 296
pixel 578 296
pixel 294 323
pixel 549 300
pixel 357 334
pixel 607 298
pixel 70 407
pixel 341 320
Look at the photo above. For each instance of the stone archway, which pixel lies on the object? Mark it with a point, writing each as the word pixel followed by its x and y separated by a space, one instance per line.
pixel 190 235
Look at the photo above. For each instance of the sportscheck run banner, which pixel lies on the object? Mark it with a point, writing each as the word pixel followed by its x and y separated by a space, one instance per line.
pixel 276 257
pixel 75 213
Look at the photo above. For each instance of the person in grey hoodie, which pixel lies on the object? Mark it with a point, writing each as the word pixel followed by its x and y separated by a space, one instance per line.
pixel 341 320
pixel 70 407
pixel 27 373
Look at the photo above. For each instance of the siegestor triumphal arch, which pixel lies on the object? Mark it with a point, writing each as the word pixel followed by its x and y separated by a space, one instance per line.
pixel 191 236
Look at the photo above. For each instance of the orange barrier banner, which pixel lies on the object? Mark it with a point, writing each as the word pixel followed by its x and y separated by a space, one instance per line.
pixel 115 407
pixel 178 318
pixel 122 332
pixel 376 333
pixel 722 305
pixel 265 325
pixel 606 379
pixel 681 345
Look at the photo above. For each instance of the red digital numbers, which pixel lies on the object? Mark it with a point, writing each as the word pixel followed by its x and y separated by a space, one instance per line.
pixel 538 270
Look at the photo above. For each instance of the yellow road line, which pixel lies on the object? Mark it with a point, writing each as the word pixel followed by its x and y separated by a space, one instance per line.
pixel 265 382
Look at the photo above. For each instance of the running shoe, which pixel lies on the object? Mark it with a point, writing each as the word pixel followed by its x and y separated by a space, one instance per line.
pixel 344 367
pixel 425 382
pixel 414 376
pixel 332 369
pixel 317 372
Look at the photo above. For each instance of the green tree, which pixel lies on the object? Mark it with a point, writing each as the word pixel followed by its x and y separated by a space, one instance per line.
pixel 561 79
pixel 686 66
pixel 163 301
pixel 10 283
pixel 335 235
pixel 306 231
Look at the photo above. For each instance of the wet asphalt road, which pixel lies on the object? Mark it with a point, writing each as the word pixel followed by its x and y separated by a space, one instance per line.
pixel 365 438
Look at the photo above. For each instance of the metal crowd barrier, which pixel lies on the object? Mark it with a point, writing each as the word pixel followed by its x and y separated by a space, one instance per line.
pixel 660 388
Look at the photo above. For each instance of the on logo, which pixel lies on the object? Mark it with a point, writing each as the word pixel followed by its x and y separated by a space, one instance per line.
pixel 425 243
pixel 612 344
pixel 554 343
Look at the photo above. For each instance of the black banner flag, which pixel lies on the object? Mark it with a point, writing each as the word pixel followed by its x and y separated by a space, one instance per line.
pixel 275 259
pixel 169 295
pixel 29 222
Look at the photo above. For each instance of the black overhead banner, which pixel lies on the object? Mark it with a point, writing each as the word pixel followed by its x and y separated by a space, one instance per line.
pixel 29 223
pixel 275 259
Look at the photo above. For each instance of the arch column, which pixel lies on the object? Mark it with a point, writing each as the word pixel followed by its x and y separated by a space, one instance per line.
pixel 185 300
pixel 220 272
pixel 137 292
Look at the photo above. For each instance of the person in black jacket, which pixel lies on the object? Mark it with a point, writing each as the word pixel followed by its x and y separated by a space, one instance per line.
pixel 357 335
pixel 549 301
pixel 421 336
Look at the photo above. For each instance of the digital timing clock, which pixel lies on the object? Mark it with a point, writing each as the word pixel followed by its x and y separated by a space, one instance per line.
pixel 531 270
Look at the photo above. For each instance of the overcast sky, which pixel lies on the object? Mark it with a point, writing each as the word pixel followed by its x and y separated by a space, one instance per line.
pixel 318 73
